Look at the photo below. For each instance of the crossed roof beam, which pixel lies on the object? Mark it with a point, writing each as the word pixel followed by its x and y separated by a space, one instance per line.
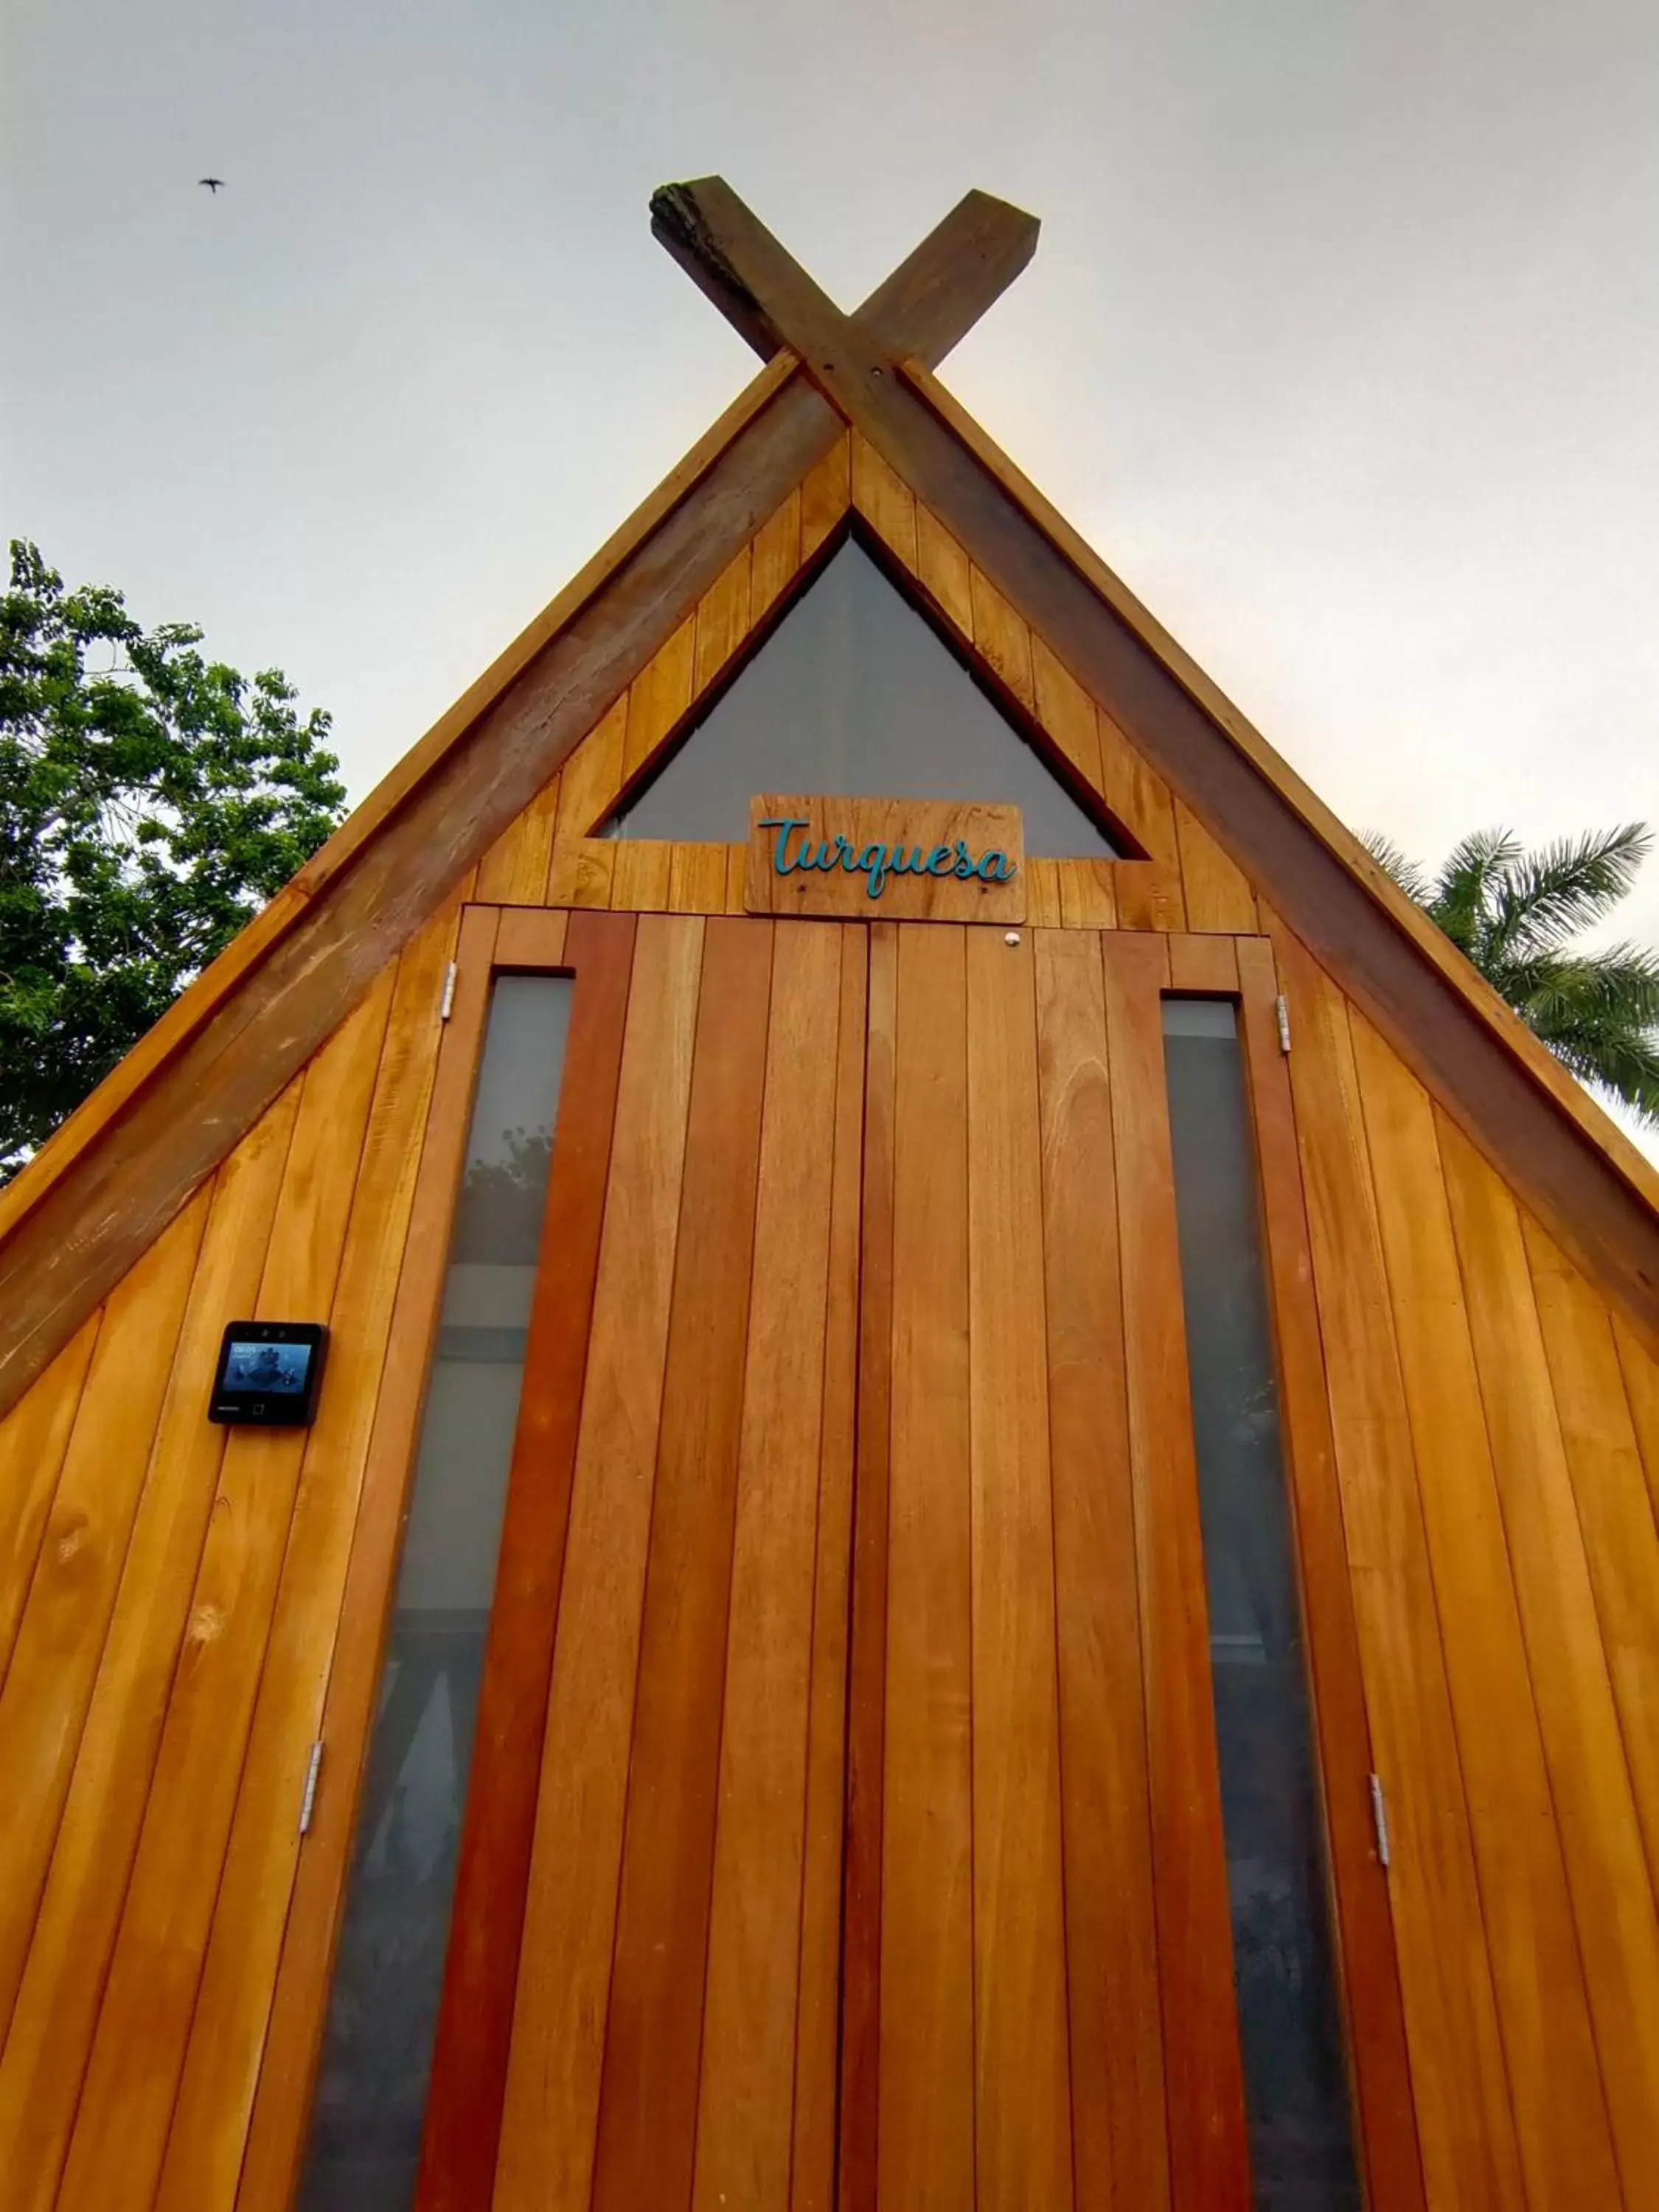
pixel 927 306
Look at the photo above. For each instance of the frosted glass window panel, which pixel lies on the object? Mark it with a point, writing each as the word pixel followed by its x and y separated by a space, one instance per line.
pixel 370 2103
pixel 855 695
pixel 1295 2078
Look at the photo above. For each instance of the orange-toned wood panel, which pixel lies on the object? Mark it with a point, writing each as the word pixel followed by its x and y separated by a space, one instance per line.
pixel 1022 2068
pixel 1207 2156
pixel 70 1949
pixel 648 2098
pixel 551 2114
pixel 1368 1972
pixel 208 2133
pixel 1561 2113
pixel 1620 1539
pixel 1118 2115
pixel 77 1571
pixel 926 2122
pixel 1465 2118
pixel 866 1700
pixel 33 1438
pixel 471 2046
pixel 1594 1806
pixel 817 2067
pixel 143 2022
pixel 278 2123
pixel 758 1908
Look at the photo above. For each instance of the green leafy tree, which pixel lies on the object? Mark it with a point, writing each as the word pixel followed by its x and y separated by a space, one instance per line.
pixel 1515 914
pixel 150 802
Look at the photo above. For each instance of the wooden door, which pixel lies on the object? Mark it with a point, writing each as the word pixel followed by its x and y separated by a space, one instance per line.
pixel 1030 1722
pixel 846 1825
pixel 642 1993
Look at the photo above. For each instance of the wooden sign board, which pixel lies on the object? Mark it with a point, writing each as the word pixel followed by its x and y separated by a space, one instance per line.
pixel 899 859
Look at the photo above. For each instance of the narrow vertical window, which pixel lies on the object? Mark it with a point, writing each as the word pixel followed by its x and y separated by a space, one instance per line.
pixel 377 2054
pixel 1295 2085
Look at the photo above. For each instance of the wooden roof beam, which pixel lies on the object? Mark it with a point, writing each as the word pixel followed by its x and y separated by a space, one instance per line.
pixel 929 303
pixel 1548 1139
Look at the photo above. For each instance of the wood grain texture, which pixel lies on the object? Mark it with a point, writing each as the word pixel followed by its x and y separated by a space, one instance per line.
pixel 696 878
pixel 826 493
pixel 1614 1511
pixel 1088 894
pixel 648 2101
pixel 1118 2117
pixel 1208 2162
pixel 1002 640
pixel 1044 902
pixel 1253 748
pixel 659 695
pixel 945 572
pixel 641 875
pixel 866 1665
pixel 1369 1976
pixel 33 1439
pixel 1465 2121
pixel 57 2003
pixel 143 2024
pixel 745 2090
pixel 1217 892
pixel 722 620
pixel 819 2023
pixel 77 1571
pixel 736 871
pixel 922 830
pixel 1594 1807
pixel 1067 714
pixel 1640 1368
pixel 1022 2084
pixel 1561 2113
pixel 1206 965
pixel 1139 803
pixel 475 2019
pixel 1594 1189
pixel 550 2112
pixel 884 502
pixel 775 556
pixel 231 2016
pixel 926 2146
pixel 588 784
pixel 356 903
pixel 278 2123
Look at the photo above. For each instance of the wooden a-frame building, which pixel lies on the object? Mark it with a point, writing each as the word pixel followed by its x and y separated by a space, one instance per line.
pixel 981 1528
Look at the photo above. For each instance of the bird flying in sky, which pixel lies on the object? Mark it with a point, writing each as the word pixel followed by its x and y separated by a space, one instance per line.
pixel 213 184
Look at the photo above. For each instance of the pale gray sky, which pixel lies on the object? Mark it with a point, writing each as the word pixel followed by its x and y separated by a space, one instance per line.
pixel 1341 342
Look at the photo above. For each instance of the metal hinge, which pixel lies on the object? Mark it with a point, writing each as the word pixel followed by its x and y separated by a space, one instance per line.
pixel 446 1004
pixel 309 1795
pixel 1282 1011
pixel 1380 1819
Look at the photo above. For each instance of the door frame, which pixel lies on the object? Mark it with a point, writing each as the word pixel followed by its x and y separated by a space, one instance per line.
pixel 470 2055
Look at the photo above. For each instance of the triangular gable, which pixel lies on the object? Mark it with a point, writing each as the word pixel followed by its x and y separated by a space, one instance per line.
pixel 853 693
pixel 606 675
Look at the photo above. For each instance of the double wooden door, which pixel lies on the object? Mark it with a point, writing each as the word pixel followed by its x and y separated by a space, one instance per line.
pixel 844 1824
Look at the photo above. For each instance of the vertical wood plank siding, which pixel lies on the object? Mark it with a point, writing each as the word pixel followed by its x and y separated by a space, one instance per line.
pixel 879 1537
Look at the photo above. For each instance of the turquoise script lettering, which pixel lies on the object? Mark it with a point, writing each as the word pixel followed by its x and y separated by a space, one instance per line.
pixel 876 862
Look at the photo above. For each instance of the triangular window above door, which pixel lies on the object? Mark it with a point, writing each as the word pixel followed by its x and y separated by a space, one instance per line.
pixel 854 694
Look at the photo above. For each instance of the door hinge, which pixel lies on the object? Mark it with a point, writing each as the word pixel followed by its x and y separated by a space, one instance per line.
pixel 1282 1011
pixel 446 1004
pixel 1380 1819
pixel 309 1795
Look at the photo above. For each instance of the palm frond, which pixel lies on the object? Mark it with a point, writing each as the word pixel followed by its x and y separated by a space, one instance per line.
pixel 1515 914
pixel 1542 898
pixel 1458 898
pixel 1412 877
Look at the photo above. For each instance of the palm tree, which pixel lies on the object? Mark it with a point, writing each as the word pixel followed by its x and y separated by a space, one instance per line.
pixel 1515 913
